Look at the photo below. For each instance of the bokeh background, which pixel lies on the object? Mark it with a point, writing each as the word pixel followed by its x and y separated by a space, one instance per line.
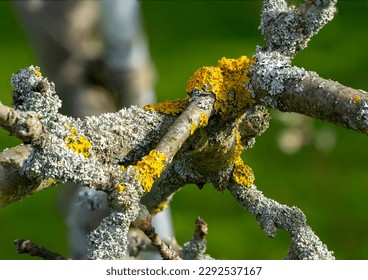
pixel 311 164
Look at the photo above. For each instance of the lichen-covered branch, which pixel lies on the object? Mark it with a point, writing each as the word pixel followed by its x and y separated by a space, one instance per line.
pixel 146 155
pixel 287 29
pixel 196 248
pixel 209 155
pixel 276 84
pixel 306 93
pixel 13 185
pixel 271 215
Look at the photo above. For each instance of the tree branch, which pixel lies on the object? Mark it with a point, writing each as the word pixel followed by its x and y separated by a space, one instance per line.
pixel 144 224
pixel 196 248
pixel 305 93
pixel 305 244
pixel 14 185
pixel 30 248
pixel 24 125
pixel 277 84
pixel 127 153
pixel 288 29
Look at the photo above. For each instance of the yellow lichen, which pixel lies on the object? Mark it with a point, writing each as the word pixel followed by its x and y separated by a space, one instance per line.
pixel 150 168
pixel 356 99
pixel 203 120
pixel 227 81
pixel 206 78
pixel 193 127
pixel 169 107
pixel 37 73
pixel 160 207
pixel 242 173
pixel 122 167
pixel 78 144
pixel 120 188
pixel 238 149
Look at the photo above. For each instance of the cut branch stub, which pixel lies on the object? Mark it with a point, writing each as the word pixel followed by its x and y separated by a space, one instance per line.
pixel 23 125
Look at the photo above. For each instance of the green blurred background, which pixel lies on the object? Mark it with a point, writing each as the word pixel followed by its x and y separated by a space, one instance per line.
pixel 328 184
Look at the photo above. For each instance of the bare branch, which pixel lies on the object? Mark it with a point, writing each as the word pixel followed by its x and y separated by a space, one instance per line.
pixel 30 248
pixel 24 125
pixel 201 229
pixel 144 224
pixel 185 125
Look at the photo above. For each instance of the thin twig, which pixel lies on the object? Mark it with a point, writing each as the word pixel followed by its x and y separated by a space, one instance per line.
pixel 30 248
pixel 165 251
pixel 196 248
pixel 201 229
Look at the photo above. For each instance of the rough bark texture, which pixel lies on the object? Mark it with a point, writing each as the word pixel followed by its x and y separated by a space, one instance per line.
pixel 15 186
pixel 127 153
pixel 271 215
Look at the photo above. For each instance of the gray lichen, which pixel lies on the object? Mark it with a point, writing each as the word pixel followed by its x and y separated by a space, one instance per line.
pixel 272 71
pixel 288 29
pixel 109 241
pixel 272 215
pixel 90 152
pixel 363 113
pixel 32 92
pixel 195 250
pixel 127 134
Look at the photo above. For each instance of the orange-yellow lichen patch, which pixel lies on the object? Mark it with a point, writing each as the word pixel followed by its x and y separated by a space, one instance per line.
pixel 160 207
pixel 37 73
pixel 356 99
pixel 227 81
pixel 193 127
pixel 206 78
pixel 238 149
pixel 242 173
pixel 78 144
pixel 169 107
pixel 203 120
pixel 120 188
pixel 149 169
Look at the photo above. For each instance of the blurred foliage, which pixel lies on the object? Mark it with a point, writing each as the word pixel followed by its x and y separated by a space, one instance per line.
pixel 330 186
